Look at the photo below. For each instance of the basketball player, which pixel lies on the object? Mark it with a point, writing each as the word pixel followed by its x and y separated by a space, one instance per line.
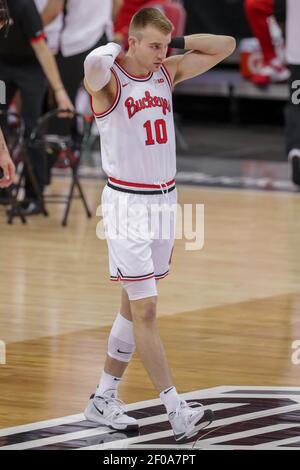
pixel 6 163
pixel 132 103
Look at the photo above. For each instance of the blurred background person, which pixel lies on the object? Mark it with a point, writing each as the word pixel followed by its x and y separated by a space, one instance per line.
pixel 86 25
pixel 26 62
pixel 274 69
pixel 7 167
pixel 52 27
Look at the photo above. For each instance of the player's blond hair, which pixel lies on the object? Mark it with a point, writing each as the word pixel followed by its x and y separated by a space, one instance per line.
pixel 149 17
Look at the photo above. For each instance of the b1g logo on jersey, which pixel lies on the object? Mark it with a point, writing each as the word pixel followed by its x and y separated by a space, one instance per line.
pixel 159 81
pixel 147 102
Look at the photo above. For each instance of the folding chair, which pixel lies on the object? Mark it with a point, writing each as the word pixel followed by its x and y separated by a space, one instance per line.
pixel 62 151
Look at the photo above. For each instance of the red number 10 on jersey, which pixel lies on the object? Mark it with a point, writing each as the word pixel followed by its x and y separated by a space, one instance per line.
pixel 160 132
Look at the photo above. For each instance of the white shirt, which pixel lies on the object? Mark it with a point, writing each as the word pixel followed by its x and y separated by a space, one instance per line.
pixel 53 29
pixel 293 32
pixel 85 22
pixel 137 133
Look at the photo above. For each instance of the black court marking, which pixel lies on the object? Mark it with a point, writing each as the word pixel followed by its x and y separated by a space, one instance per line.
pixel 245 417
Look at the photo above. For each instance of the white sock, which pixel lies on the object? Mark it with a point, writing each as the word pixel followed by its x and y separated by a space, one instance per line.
pixel 108 385
pixel 170 399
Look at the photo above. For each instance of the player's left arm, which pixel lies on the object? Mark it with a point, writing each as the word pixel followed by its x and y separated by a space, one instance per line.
pixel 204 52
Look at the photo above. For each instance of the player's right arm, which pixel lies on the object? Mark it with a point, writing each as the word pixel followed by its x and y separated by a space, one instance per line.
pixel 99 81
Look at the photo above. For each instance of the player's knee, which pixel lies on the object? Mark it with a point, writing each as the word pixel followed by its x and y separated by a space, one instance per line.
pixel 144 310
pixel 121 343
pixel 119 349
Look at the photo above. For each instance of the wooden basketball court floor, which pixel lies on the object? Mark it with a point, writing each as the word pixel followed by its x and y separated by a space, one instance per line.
pixel 229 316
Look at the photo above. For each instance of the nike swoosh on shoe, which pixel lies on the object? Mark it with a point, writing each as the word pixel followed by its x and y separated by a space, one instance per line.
pixel 100 411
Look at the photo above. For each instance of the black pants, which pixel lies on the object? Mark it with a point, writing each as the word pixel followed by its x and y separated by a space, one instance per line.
pixel 30 80
pixel 72 74
pixel 292 111
pixel 280 10
pixel 71 69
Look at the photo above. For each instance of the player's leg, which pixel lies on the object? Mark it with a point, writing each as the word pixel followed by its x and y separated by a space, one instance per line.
pixel 274 69
pixel 33 87
pixel 121 343
pixel 121 346
pixel 185 420
pixel 104 406
pixel 258 12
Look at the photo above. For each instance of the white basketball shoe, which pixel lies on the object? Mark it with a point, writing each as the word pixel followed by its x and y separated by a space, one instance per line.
pixel 109 411
pixel 188 419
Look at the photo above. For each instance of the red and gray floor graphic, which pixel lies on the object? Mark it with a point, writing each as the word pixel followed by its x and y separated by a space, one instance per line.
pixel 245 418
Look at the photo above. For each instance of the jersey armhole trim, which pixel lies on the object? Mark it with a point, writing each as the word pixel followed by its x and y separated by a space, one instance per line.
pixel 115 102
pixel 168 76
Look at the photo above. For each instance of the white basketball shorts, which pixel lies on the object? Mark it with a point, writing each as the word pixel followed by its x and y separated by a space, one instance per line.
pixel 140 231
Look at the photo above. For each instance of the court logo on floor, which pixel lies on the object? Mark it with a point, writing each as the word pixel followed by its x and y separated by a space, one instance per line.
pixel 245 418
pixel 295 357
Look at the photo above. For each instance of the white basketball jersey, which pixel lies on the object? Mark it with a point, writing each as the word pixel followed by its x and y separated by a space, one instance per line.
pixel 137 132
